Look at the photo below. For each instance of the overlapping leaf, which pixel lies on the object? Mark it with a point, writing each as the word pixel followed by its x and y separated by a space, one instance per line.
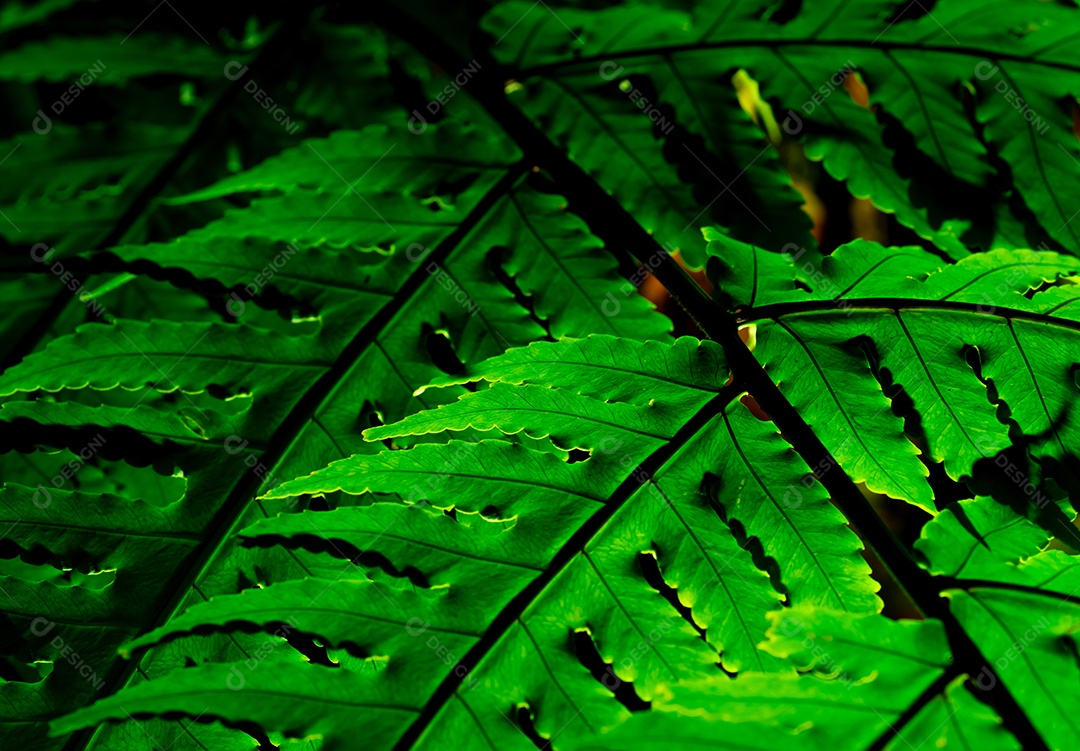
pixel 569 537
pixel 604 77
pixel 869 322
pixel 238 406
pixel 495 550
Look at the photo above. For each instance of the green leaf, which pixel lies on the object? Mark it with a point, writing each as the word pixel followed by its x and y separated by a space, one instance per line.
pixel 914 65
pixel 109 60
pixel 360 385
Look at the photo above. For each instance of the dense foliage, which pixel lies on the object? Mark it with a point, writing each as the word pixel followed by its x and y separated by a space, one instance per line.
pixel 338 412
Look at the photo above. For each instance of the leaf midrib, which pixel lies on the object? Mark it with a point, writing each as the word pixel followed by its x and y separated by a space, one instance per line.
pixel 631 371
pixel 189 537
pixel 855 431
pixel 573 279
pixel 787 519
pixel 590 61
pixel 1032 667
pixel 1040 162
pixel 245 614
pixel 230 514
pixel 326 533
pixel 576 543
pixel 618 229
pixel 775 311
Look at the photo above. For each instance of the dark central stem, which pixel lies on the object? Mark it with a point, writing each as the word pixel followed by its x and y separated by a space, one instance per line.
pixel 271 50
pixel 608 219
pixel 135 211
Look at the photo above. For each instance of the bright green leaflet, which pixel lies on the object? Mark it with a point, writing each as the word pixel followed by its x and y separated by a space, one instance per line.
pixel 385 445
